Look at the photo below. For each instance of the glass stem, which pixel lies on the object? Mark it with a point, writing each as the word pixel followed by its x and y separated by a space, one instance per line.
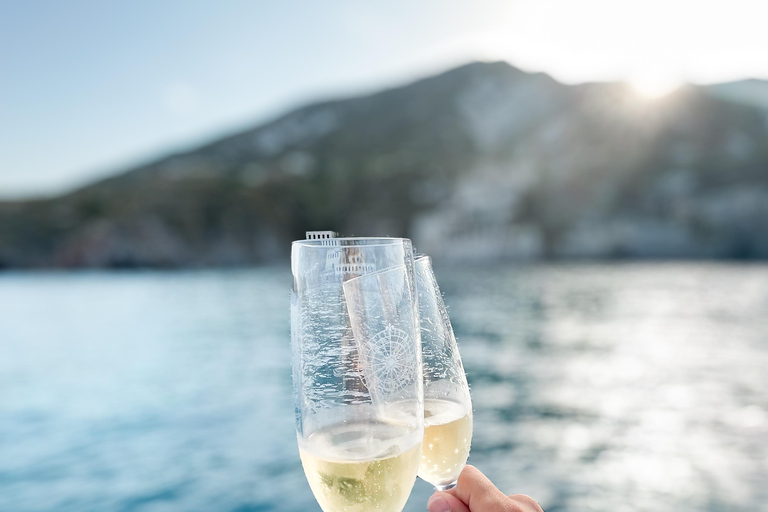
pixel 445 487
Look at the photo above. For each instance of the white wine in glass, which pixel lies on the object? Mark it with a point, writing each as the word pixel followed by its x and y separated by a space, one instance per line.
pixel 358 384
pixel 447 437
pixel 357 468
pixel 447 403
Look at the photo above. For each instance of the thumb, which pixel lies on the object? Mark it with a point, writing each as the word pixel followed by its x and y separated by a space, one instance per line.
pixel 479 494
pixel 444 502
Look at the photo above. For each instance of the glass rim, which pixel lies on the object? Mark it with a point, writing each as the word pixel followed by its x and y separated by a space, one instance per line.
pixel 352 241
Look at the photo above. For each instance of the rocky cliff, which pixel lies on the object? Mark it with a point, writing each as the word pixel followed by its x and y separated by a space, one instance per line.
pixel 483 161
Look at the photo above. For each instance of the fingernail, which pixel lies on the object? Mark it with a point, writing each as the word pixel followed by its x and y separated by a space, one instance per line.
pixel 438 504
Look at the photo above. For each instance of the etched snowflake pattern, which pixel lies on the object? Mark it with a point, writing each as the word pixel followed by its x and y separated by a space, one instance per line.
pixel 390 360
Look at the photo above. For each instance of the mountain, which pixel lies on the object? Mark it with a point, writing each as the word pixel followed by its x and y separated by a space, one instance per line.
pixel 483 161
pixel 749 92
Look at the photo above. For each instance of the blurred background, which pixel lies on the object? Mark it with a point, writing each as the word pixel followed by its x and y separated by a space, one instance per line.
pixel 590 178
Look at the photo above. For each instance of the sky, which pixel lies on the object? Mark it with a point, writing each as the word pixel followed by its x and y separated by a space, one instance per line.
pixel 90 88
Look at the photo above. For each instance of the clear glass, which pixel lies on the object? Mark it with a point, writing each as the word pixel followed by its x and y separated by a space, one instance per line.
pixel 357 372
pixel 447 403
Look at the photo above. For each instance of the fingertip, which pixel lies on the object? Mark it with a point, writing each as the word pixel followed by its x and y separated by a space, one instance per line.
pixel 527 501
pixel 478 492
pixel 471 470
pixel 472 478
pixel 445 502
pixel 438 504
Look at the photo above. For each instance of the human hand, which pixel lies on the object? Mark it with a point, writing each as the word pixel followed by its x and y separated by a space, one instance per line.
pixel 475 493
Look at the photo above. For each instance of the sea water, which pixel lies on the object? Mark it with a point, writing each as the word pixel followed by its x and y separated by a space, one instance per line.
pixel 596 387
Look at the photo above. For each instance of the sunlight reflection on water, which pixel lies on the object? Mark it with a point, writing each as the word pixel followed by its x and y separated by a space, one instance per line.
pixel 604 387
pixel 637 387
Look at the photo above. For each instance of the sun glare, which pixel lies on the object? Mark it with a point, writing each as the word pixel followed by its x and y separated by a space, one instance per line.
pixel 654 87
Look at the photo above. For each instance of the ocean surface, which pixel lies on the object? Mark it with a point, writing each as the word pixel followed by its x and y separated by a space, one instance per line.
pixel 596 387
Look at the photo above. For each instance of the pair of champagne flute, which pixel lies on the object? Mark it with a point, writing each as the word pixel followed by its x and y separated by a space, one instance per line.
pixel 379 388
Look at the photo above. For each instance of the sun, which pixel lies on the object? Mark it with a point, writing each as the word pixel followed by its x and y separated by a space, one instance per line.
pixel 654 86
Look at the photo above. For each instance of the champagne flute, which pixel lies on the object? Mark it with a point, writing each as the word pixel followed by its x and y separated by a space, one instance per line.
pixel 357 375
pixel 447 403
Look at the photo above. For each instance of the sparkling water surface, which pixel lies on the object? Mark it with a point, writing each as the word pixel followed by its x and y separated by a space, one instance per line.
pixel 596 387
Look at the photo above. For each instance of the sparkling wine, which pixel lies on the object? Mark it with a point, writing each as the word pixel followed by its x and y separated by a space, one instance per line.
pixel 447 437
pixel 360 467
